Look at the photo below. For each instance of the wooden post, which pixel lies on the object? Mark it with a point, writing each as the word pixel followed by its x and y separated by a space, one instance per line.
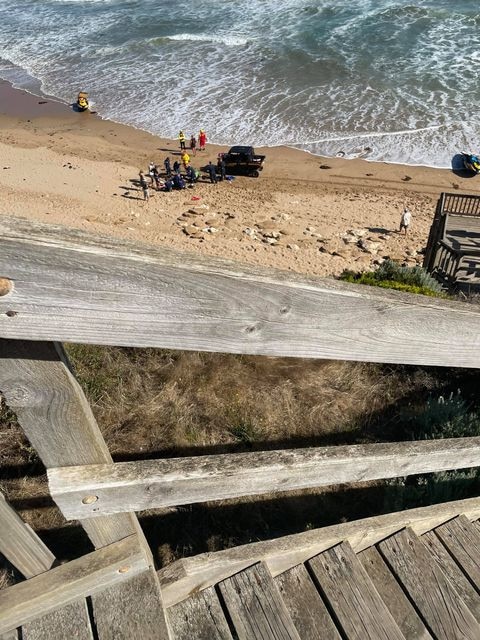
pixel 37 383
pixel 21 545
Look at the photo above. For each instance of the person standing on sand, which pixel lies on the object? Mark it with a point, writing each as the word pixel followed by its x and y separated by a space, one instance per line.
pixel 168 168
pixel 212 172
pixel 182 138
pixel 151 172
pixel 141 179
pixel 193 145
pixel 222 168
pixel 146 192
pixel 202 139
pixel 405 220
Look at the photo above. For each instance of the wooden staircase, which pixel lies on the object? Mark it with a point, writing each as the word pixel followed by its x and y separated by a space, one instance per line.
pixel 405 587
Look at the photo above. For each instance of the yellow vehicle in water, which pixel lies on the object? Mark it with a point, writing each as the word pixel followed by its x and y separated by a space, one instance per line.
pixel 82 101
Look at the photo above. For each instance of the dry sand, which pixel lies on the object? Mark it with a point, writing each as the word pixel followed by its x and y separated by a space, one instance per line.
pixel 76 169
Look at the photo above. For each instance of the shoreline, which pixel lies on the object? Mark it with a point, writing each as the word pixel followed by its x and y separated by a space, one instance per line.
pixel 55 100
pixel 79 170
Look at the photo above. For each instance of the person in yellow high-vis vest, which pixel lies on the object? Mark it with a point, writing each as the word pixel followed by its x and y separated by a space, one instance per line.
pixel 182 138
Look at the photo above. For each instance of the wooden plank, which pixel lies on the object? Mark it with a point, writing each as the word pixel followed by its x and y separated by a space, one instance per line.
pixel 305 605
pixel 358 608
pixel 404 614
pixel 462 540
pixel 200 617
pixel 68 623
pixel 131 609
pixel 70 286
pixel 435 598
pixel 21 545
pixel 37 383
pixel 147 484
pixel 69 582
pixel 256 607
pixel 185 576
pixel 450 568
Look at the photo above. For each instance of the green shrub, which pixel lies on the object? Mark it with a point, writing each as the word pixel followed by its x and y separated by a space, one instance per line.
pixel 441 417
pixel 391 275
pixel 450 417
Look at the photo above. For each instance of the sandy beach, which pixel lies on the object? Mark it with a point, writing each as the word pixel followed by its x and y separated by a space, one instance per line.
pixel 78 170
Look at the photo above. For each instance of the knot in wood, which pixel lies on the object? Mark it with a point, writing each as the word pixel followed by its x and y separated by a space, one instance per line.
pixel 6 286
pixel 252 328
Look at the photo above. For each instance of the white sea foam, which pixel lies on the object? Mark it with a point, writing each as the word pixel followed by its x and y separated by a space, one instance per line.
pixel 376 78
pixel 229 41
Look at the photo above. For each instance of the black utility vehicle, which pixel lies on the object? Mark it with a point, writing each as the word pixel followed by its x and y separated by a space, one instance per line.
pixel 243 160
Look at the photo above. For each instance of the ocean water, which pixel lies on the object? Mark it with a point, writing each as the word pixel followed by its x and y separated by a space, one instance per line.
pixel 388 80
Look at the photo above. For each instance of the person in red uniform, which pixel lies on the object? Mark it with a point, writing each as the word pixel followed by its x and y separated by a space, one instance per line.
pixel 202 139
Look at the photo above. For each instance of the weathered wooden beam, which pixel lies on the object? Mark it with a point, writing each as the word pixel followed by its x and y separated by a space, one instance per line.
pixel 69 582
pixel 360 611
pixel 189 575
pixel 95 490
pixel 131 610
pixel 37 383
pixel 73 287
pixel 424 582
pixel 71 622
pixel 21 545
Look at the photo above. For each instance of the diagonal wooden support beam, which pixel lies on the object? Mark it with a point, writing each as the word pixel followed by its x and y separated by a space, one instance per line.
pixel 92 491
pixel 21 545
pixel 69 582
pixel 37 383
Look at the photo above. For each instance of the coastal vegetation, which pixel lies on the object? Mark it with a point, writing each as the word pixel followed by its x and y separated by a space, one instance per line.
pixel 391 275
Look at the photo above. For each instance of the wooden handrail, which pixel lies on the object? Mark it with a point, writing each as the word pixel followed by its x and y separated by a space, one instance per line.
pixel 70 286
pixel 96 490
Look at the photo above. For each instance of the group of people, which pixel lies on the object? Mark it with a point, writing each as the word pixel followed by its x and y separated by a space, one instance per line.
pixel 174 178
pixel 202 141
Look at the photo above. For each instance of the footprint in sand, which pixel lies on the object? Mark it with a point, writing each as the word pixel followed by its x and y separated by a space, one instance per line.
pixel 406 178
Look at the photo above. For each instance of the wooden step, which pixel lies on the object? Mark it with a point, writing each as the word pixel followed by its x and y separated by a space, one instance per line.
pixel 256 607
pixel 132 609
pixel 462 540
pixel 71 621
pixel 402 610
pixel 353 599
pixel 200 616
pixel 450 568
pixel 305 605
pixel 440 606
